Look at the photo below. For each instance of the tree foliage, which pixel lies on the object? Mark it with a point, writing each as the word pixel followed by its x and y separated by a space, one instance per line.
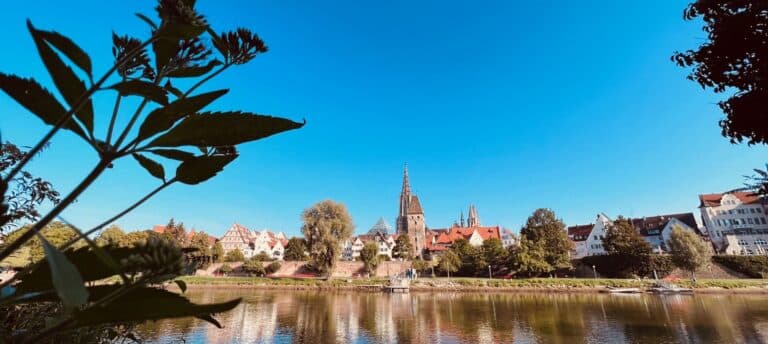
pixel 758 182
pixel 327 225
pixel 545 231
pixel 25 192
pixel 449 262
pixel 494 252
pixel 529 258
pixel 113 235
pixel 56 233
pixel 403 247
pixel 295 250
pixel 689 251
pixel 370 256
pixel 200 242
pixel 732 61
pixel 218 252
pixel 234 256
pixel 621 237
pixel 254 267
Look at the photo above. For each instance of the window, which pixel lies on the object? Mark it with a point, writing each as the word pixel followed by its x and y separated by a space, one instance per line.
pixel 761 242
pixel 749 220
pixel 752 210
pixel 759 210
pixel 718 222
pixel 730 211
pixel 718 233
pixel 762 220
pixel 595 237
pixel 743 242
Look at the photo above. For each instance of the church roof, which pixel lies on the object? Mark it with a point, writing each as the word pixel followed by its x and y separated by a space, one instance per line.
pixel 381 226
pixel 415 206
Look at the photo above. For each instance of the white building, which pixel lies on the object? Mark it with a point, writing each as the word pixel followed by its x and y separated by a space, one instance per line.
pixel 508 238
pixel 588 239
pixel 351 248
pixel 734 214
pixel 252 243
pixel 746 242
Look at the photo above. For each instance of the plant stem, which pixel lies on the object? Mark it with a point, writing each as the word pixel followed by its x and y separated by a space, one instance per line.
pixel 112 120
pixel 68 115
pixel 204 80
pixel 16 244
pixel 135 117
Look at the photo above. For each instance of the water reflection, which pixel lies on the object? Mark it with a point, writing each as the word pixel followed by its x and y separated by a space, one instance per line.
pixel 347 317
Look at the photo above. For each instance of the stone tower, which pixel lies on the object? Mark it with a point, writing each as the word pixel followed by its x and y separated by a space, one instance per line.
pixel 474 219
pixel 410 219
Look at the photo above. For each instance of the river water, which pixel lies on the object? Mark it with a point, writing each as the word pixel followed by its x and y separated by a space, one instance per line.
pixel 356 317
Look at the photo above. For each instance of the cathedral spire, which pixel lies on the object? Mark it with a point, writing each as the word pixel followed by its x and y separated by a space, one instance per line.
pixel 474 219
pixel 462 218
pixel 406 183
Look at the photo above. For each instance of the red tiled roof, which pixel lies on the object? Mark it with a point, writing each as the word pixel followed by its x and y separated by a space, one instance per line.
pixel 580 231
pixel 646 224
pixel 713 200
pixel 158 229
pixel 443 238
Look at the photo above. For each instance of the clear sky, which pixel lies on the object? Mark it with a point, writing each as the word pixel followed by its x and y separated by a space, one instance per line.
pixel 509 105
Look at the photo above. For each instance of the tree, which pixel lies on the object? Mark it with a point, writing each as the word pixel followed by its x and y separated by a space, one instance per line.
pixel 689 251
pixel 56 233
pixel 25 192
pixel 370 256
pixel 421 265
pixel 545 229
pixel 621 237
pixel 449 262
pixel 273 267
pixel 113 235
pixel 254 267
pixel 472 260
pixel 262 257
pixel 403 248
pixel 218 252
pixel 234 256
pixel 529 258
pixel 131 239
pixel 199 241
pixel 295 250
pixel 225 269
pixel 176 232
pixel 326 225
pixel 759 182
pixel 732 61
pixel 494 252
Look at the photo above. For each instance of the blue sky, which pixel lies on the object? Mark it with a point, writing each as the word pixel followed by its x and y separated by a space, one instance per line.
pixel 508 105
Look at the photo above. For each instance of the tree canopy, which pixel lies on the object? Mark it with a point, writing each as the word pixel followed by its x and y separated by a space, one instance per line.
pixel 733 60
pixel 449 262
pixel 370 256
pixel 295 250
pixel 622 238
pixel 56 233
pixel 545 230
pixel 112 235
pixel 403 248
pixel 234 256
pixel 689 251
pixel 327 225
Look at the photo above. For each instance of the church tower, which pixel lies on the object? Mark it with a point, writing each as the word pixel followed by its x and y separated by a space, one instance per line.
pixel 474 219
pixel 410 219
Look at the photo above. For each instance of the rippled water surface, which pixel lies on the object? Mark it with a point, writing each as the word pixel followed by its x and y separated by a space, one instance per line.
pixel 351 317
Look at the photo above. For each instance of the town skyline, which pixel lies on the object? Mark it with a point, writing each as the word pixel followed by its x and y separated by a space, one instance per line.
pixel 480 125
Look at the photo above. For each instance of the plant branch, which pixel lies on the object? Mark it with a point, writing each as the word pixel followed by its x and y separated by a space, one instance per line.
pixel 68 115
pixel 112 120
pixel 204 80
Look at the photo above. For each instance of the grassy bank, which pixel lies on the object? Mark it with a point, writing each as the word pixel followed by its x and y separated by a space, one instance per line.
pixel 565 284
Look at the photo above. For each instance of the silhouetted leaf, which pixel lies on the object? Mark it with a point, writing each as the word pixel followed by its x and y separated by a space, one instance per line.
pixel 147 20
pixel 223 129
pixel 202 168
pixel 147 303
pixel 37 100
pixel 182 285
pixel 68 48
pixel 163 118
pixel 70 86
pixel 154 168
pixel 65 277
pixel 174 154
pixel 141 88
pixel 194 71
pixel 173 90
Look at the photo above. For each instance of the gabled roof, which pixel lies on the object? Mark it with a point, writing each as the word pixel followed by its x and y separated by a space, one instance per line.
pixel 449 235
pixel 713 200
pixel 381 226
pixel 580 232
pixel 414 206
pixel 657 223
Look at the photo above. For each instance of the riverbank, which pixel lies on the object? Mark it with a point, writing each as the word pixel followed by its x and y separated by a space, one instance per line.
pixel 758 286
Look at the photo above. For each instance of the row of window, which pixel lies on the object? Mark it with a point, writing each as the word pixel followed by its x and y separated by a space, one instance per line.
pixel 758 242
pixel 596 246
pixel 739 211
pixel 734 222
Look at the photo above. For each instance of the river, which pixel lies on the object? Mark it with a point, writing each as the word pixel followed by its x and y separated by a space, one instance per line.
pixel 356 317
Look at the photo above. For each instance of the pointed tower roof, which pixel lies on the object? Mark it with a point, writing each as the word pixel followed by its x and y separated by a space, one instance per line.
pixel 381 227
pixel 406 183
pixel 415 207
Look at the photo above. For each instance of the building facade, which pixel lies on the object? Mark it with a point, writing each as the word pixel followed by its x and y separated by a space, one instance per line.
pixel 252 243
pixel 440 240
pixel 588 239
pixel 729 216
pixel 410 218
pixel 351 248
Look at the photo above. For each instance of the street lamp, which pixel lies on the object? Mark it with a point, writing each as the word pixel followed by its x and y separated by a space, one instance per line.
pixel 490 276
pixel 594 271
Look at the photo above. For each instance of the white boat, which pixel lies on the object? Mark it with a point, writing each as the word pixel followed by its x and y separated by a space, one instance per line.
pixel 614 290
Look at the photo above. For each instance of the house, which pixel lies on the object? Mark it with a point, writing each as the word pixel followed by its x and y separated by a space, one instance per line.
pixel 508 238
pixel 440 240
pixel 252 243
pixel 588 239
pixel 733 214
pixel 352 247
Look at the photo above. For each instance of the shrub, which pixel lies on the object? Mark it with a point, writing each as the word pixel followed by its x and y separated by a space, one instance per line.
pixel 273 267
pixel 225 269
pixel 627 266
pixel 234 256
pixel 263 257
pixel 752 266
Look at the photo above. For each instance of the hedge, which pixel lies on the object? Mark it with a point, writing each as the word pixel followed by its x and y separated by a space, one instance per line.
pixel 626 266
pixel 752 266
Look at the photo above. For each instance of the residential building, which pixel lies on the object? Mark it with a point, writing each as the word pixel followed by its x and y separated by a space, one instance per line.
pixel 508 238
pixel 410 218
pixel 734 213
pixel 588 239
pixel 352 247
pixel 439 240
pixel 252 243
pixel 746 241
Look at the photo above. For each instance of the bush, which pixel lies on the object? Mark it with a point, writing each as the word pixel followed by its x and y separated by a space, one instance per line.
pixel 752 266
pixel 254 267
pixel 627 266
pixel 234 256
pixel 273 267
pixel 225 269
pixel 263 257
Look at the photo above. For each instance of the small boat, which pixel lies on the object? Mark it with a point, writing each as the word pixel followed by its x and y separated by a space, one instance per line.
pixel 614 290
pixel 668 288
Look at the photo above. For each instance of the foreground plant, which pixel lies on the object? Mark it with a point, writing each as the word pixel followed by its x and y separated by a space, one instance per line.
pixel 168 123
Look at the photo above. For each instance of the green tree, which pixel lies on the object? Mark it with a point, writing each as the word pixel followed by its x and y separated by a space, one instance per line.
pixel 370 256
pixel 421 265
pixel 689 251
pixel 529 258
pixel 131 239
pixel 759 182
pixel 326 226
pixel 273 267
pixel 731 61
pixel 199 241
pixel 113 235
pixel 472 260
pixel 263 257
pixel 225 269
pixel 295 250
pixel 56 233
pixel 218 252
pixel 176 232
pixel 621 237
pixel 494 252
pixel 449 262
pixel 254 267
pixel 234 256
pixel 403 248
pixel 546 230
